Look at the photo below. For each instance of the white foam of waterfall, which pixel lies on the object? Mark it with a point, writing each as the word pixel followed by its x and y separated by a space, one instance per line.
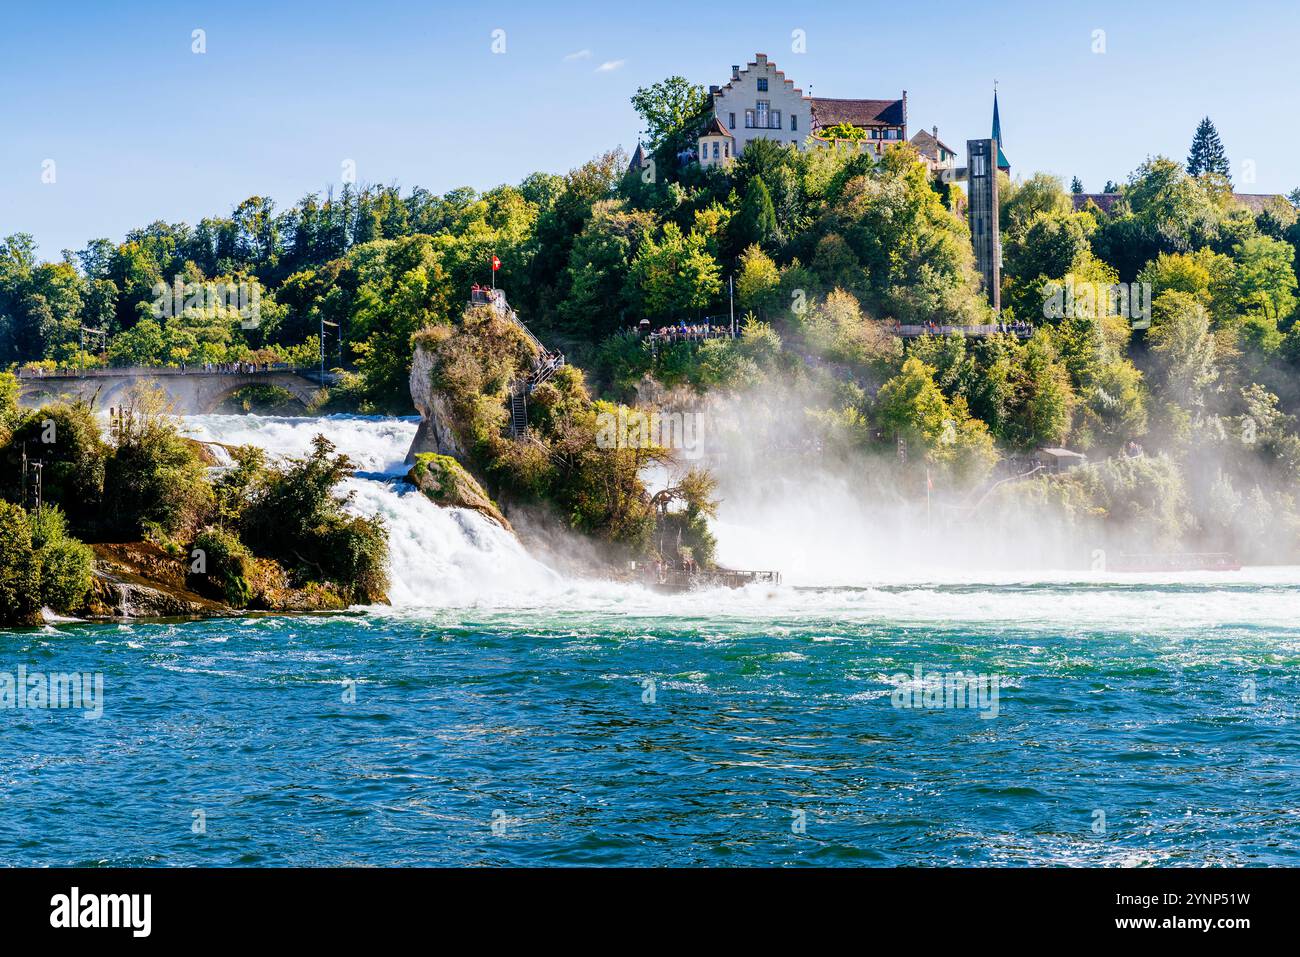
pixel 447 556
pixel 438 556
pixel 373 443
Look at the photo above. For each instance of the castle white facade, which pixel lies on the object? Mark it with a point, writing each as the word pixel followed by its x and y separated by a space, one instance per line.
pixel 761 103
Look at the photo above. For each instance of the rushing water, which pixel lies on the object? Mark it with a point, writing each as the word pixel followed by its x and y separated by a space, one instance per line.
pixel 505 715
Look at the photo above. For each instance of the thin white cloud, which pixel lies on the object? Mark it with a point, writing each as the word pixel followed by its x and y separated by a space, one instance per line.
pixel 609 66
pixel 578 55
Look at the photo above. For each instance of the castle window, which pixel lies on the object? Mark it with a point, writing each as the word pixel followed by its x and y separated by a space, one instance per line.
pixel 726 150
pixel 762 84
pixel 794 122
pixel 715 149
pixel 761 118
pixel 776 120
pixel 733 120
pixel 749 119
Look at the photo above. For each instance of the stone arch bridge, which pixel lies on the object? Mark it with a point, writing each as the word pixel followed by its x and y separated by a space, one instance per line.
pixel 191 391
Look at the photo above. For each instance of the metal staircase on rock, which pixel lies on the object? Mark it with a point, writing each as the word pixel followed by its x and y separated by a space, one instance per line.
pixel 545 365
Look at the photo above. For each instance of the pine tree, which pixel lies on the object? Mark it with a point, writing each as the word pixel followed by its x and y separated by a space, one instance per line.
pixel 1207 155
pixel 757 215
pixel 1110 187
pixel 1076 186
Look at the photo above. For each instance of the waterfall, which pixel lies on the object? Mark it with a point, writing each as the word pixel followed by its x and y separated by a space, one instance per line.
pixel 438 556
pixel 375 444
pixel 443 556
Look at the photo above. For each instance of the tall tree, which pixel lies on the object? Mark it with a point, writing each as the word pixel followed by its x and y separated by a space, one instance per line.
pixel 1207 155
pixel 757 219
pixel 673 110
pixel 1076 186
pixel 676 275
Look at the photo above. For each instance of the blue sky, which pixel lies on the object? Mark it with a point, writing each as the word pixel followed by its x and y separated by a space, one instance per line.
pixel 140 128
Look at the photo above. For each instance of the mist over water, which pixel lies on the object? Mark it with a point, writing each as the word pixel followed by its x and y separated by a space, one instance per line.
pixel 839 550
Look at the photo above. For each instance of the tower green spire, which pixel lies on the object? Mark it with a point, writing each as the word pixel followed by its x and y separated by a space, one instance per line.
pixel 1003 164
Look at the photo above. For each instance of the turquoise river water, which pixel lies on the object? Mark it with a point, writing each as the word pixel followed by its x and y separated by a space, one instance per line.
pixel 500 714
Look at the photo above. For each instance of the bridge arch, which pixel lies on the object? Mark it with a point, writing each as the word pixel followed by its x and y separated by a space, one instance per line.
pixel 211 398
pixel 115 392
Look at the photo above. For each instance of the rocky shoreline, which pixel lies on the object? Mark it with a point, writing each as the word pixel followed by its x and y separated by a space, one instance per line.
pixel 142 580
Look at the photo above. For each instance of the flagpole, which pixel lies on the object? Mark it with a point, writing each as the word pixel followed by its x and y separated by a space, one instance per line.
pixel 731 292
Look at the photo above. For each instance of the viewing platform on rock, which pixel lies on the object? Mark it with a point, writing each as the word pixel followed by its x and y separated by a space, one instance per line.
pixel 664 577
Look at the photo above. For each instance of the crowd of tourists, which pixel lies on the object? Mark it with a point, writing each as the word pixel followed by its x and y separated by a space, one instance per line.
pixel 234 368
pixel 213 368
pixel 684 332
pixel 484 295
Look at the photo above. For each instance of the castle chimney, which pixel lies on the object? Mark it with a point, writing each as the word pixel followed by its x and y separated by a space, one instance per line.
pixel 735 72
pixel 936 132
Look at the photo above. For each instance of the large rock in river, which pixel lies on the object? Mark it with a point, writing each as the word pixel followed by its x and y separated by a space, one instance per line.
pixel 445 482
pixel 437 431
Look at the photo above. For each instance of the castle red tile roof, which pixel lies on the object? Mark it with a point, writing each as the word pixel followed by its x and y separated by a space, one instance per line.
pixel 865 113
pixel 1259 202
pixel 1103 200
pixel 1255 202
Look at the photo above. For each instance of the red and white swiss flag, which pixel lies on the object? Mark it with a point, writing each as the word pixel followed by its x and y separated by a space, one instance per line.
pixel 496 263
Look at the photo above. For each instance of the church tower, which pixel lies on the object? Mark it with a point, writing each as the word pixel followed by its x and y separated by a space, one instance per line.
pixel 997 133
pixel 984 161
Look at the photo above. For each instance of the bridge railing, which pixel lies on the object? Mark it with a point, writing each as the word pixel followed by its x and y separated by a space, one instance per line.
pixel 112 372
pixel 1021 329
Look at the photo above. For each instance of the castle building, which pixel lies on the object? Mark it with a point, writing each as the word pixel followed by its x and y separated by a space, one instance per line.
pixel 884 121
pixel 759 102
pixel 937 154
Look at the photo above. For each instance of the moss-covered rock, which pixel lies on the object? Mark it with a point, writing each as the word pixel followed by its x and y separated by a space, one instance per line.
pixel 446 483
pixel 220 566
pixel 271 591
pixel 140 580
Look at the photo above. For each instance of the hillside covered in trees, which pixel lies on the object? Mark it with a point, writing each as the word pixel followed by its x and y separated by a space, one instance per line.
pixel 827 250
